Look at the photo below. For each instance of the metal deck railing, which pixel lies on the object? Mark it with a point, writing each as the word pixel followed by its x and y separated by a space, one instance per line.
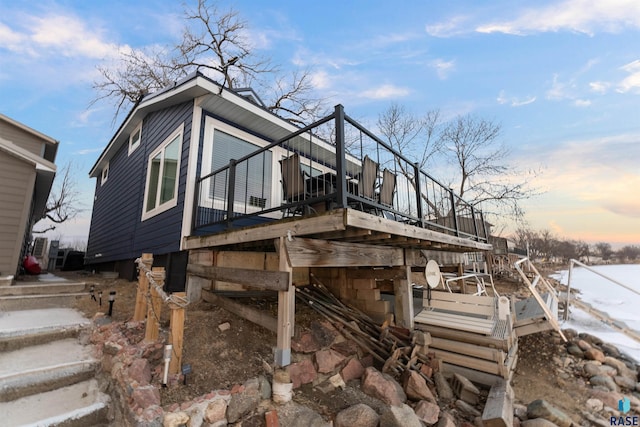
pixel 332 153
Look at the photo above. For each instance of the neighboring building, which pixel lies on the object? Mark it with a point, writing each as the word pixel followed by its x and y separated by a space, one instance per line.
pixel 27 171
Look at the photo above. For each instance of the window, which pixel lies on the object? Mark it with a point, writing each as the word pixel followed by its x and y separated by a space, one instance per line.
pixel 162 176
pixel 134 138
pixel 253 176
pixel 105 174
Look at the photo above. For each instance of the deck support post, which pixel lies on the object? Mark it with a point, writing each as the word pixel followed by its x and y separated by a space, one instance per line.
pixel 143 287
pixel 404 299
pixel 286 310
pixel 176 336
pixel 154 308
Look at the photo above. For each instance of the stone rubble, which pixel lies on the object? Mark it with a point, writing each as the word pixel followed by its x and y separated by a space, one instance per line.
pixel 327 362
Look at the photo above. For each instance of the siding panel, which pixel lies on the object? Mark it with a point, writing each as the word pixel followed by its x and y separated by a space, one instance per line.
pixel 116 231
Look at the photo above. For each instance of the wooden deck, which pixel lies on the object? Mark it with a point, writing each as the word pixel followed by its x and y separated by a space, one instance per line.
pixel 343 225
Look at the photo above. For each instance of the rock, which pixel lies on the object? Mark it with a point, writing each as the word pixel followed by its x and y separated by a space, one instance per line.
pixel 265 387
pixel 140 371
pixel 427 411
pixel 520 411
pixel 399 416
pixel 224 326
pixel 324 333
pixel 328 360
pixel 570 333
pixel 591 369
pixel 271 419
pixel 215 411
pixel 594 405
pixel 542 409
pixel 293 414
pixel 575 351
pixel 624 382
pixel 359 415
pixel 603 381
pixel 446 420
pixel 146 396
pixel 383 387
pixel 302 372
pixel 111 348
pixel 175 419
pixel 608 398
pixel 467 408
pixel 416 387
pixel 621 367
pixel 305 343
pixel 594 354
pixel 584 346
pixel 443 388
pixel 346 348
pixel 538 422
pixel 245 401
pixel 610 350
pixel 352 370
pixel 591 339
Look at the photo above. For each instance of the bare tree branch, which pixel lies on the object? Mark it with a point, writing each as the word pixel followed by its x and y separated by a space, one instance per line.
pixel 64 200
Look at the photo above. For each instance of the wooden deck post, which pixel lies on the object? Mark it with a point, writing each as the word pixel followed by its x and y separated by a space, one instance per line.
pixel 143 287
pixel 404 299
pixel 176 336
pixel 286 310
pixel 155 308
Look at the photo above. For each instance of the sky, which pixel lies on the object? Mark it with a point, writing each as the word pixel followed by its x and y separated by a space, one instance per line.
pixel 562 78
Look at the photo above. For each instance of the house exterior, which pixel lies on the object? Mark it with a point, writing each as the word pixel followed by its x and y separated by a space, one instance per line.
pixel 146 176
pixel 27 171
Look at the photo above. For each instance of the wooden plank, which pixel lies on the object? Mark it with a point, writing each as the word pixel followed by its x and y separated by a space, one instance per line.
pixel 475 376
pixel 176 335
pixel 359 219
pixel 259 317
pixel 470 362
pixel 140 310
pixel 377 273
pixel 286 309
pixel 323 253
pixel 403 302
pixel 498 410
pixel 327 222
pixel 468 337
pixel 474 350
pixel 259 279
pixel 479 326
pixel 463 298
pixel 461 308
pixel 155 308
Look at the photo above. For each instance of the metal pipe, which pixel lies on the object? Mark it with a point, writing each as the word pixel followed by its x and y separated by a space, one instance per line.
pixel 168 349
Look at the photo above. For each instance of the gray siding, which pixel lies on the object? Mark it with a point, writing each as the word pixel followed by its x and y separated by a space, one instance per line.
pixel 117 232
pixel 17 178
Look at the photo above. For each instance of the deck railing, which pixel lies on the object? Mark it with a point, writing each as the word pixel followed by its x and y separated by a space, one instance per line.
pixel 332 153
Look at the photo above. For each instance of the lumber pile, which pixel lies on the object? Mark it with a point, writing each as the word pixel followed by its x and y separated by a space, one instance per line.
pixel 471 335
pixel 393 347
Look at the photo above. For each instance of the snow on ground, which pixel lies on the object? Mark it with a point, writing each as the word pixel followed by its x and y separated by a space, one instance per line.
pixel 618 302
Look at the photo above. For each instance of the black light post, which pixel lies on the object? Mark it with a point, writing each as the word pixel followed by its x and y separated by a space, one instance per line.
pixel 92 291
pixel 100 297
pixel 112 298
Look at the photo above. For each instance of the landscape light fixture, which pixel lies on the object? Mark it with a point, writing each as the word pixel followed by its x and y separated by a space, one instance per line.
pixel 100 297
pixel 92 290
pixel 167 358
pixel 112 298
pixel 186 369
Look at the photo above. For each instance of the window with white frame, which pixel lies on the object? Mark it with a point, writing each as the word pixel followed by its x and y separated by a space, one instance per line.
pixel 253 176
pixel 163 169
pixel 134 138
pixel 105 174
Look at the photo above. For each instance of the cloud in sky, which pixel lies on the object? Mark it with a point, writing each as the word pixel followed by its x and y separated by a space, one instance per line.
pixel 386 91
pixel 443 68
pixel 453 27
pixel 583 16
pixel 631 82
pixel 513 101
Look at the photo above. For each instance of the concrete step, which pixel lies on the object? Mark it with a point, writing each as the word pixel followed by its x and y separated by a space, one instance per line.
pixel 24 328
pixel 29 302
pixel 35 288
pixel 41 368
pixel 78 405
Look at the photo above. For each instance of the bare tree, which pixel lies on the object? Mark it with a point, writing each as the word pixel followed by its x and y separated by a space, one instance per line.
pixel 604 249
pixel 216 43
pixel 484 174
pixel 64 200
